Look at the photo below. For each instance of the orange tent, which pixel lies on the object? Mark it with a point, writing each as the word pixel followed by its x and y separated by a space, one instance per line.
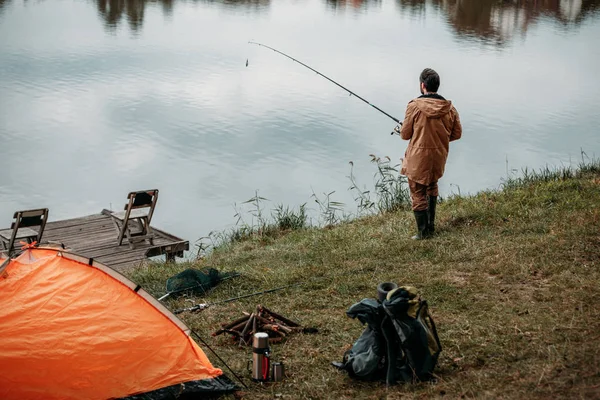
pixel 71 328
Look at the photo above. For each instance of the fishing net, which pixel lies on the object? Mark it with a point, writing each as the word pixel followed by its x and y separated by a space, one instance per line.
pixel 199 282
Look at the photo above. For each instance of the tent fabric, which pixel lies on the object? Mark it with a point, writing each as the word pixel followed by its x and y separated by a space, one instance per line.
pixel 71 328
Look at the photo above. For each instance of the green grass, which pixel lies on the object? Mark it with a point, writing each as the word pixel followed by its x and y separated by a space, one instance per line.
pixel 512 279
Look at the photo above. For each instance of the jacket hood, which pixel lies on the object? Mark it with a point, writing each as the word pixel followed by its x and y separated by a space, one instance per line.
pixel 433 107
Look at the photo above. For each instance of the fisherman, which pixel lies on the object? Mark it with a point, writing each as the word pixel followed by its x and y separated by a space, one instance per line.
pixel 431 123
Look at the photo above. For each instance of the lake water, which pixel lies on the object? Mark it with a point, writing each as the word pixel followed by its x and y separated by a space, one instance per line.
pixel 99 98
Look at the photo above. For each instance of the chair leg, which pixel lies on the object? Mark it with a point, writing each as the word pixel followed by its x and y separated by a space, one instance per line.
pixel 131 244
pixel 148 232
pixel 119 227
pixel 124 230
pixel 116 225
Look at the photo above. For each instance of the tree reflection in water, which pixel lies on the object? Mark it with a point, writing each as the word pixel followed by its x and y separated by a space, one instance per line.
pixel 498 21
pixel 354 4
pixel 494 21
pixel 112 11
pixel 3 5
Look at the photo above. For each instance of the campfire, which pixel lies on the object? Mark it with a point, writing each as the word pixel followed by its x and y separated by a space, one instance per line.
pixel 261 320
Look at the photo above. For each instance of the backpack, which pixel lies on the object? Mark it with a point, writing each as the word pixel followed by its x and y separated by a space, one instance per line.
pixel 400 342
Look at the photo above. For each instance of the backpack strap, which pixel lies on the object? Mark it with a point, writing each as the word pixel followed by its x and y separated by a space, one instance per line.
pixel 426 320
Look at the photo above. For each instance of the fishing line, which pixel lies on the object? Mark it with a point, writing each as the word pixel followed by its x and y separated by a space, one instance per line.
pixel 329 79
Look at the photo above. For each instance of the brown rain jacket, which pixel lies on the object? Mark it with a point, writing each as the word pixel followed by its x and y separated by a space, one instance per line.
pixel 431 123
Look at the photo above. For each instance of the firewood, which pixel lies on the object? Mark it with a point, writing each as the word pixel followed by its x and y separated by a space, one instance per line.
pixel 248 323
pixel 234 333
pixel 264 320
pixel 234 323
pixel 281 318
pixel 273 328
pixel 261 320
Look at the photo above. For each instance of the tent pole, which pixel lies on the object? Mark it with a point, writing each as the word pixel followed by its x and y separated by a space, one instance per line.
pixel 219 357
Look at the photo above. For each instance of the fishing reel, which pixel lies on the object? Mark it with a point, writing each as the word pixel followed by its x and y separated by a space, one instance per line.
pixel 397 128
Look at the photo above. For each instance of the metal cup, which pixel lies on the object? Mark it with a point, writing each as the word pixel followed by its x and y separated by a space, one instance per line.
pixel 277 372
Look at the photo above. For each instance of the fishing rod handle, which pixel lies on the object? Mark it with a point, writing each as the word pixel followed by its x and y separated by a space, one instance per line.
pixel 194 308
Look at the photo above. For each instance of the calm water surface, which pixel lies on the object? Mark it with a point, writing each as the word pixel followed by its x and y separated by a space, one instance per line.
pixel 98 98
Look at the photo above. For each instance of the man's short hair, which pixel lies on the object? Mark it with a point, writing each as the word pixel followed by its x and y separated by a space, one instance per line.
pixel 431 79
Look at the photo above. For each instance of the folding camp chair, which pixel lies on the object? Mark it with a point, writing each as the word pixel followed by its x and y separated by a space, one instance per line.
pixel 138 211
pixel 20 229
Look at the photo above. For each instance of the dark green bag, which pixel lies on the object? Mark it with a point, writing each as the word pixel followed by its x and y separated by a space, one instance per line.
pixel 196 281
pixel 412 342
pixel 400 343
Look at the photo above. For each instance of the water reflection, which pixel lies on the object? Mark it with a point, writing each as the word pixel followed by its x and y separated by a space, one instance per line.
pixel 498 21
pixel 354 4
pixel 113 11
pixel 253 4
pixel 490 20
pixel 3 4
pixel 413 7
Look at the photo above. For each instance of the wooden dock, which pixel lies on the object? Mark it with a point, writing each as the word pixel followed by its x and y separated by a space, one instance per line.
pixel 94 236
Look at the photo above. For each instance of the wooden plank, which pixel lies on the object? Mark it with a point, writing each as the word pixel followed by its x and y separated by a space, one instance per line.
pixel 22 233
pixel 172 247
pixel 108 248
pixel 108 240
pixel 79 236
pixel 135 213
pixel 68 234
pixel 89 238
pixel 167 235
pixel 148 250
pixel 123 259
pixel 83 231
pixel 33 213
pixel 75 237
pixel 108 251
pixel 76 221
pixel 97 225
pixel 117 258
pixel 99 251
pixel 101 224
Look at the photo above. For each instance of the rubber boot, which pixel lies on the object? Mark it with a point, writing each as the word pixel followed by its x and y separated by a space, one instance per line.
pixel 431 203
pixel 421 218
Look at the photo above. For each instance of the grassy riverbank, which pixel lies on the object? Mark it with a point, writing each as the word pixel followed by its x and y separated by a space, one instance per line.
pixel 512 279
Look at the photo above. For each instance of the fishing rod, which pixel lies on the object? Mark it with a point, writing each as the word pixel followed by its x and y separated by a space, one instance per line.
pixel 203 306
pixel 329 79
